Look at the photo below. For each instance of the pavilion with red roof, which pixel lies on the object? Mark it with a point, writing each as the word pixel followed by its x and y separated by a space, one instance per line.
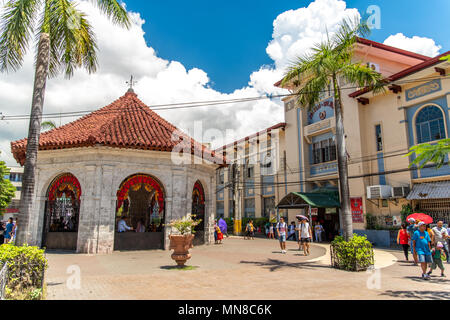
pixel 123 160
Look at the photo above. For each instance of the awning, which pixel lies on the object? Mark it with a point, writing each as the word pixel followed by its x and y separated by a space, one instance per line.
pixel 430 190
pixel 297 200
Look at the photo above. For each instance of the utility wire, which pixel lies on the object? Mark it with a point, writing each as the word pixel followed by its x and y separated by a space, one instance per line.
pixel 185 105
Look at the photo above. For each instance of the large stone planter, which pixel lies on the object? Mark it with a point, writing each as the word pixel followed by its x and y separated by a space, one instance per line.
pixel 180 246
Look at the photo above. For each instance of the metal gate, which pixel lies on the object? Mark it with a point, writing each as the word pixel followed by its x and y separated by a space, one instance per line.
pixel 438 209
pixel 61 224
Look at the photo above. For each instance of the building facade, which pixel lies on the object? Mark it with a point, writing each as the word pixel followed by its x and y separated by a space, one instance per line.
pixel 15 176
pixel 379 129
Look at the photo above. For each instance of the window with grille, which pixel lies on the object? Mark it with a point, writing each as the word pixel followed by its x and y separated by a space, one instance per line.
pixel 430 125
pixel 379 138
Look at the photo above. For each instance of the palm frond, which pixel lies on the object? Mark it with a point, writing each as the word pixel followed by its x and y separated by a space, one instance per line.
pixel 310 92
pixel 47 125
pixel 363 76
pixel 114 11
pixel 17 25
pixel 72 41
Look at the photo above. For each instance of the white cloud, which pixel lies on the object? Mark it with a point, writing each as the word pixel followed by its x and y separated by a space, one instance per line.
pixel 421 45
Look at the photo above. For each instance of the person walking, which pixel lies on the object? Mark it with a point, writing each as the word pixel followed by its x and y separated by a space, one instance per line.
pixel 14 231
pixel 438 255
pixel 422 248
pixel 441 235
pixel 318 230
pixel 305 236
pixel 411 228
pixel 249 230
pixel 8 230
pixel 281 232
pixel 271 233
pixel 291 231
pixel 403 239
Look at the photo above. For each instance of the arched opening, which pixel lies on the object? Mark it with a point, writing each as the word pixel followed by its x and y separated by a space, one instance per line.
pixel 430 125
pixel 140 214
pixel 198 210
pixel 62 213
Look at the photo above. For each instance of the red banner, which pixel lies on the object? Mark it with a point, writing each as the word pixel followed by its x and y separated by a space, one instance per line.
pixel 357 210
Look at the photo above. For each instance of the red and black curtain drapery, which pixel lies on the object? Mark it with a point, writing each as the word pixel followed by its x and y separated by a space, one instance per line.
pixel 140 180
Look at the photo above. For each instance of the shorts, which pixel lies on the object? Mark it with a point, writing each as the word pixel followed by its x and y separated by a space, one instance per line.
pixel 305 240
pixel 282 238
pixel 424 258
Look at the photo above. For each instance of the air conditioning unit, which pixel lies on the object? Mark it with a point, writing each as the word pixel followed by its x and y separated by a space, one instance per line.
pixel 373 66
pixel 379 192
pixel 400 192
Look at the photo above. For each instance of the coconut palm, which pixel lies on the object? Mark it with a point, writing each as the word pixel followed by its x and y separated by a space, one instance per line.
pixel 331 63
pixel 65 41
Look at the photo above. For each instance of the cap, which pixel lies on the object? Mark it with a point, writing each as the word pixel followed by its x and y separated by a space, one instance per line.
pixel 439 245
pixel 421 223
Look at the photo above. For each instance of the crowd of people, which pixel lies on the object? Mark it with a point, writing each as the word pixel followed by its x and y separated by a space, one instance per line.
pixel 429 246
pixel 8 231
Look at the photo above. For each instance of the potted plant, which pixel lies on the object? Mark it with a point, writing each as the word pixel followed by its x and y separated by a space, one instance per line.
pixel 181 241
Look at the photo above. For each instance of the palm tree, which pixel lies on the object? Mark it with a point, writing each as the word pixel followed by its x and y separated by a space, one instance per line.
pixel 331 63
pixel 65 41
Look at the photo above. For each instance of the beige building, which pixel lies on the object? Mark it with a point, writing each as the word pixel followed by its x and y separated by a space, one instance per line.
pixel 250 186
pixel 380 129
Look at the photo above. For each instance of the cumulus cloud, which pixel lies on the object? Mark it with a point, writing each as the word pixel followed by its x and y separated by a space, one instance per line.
pixel 421 45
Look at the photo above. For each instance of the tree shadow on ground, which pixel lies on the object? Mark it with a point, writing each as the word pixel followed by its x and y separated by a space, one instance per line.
pixel 274 264
pixel 422 295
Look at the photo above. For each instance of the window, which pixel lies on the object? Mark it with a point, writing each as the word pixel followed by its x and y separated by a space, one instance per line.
pixel 230 208
pixel 324 151
pixel 220 176
pixel 430 125
pixel 269 206
pixel 379 137
pixel 249 211
pixel 384 203
pixel 219 207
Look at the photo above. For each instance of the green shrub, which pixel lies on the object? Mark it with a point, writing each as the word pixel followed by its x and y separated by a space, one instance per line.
pixel 26 267
pixel 406 211
pixel 353 255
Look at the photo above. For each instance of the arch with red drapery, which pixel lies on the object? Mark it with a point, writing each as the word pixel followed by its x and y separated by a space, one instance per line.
pixel 198 194
pixel 137 181
pixel 66 184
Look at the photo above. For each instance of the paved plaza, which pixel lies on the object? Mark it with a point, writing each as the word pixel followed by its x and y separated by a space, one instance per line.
pixel 237 269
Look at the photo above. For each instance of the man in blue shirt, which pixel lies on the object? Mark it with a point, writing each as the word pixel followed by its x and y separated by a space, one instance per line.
pixel 422 248
pixel 8 231
pixel 412 227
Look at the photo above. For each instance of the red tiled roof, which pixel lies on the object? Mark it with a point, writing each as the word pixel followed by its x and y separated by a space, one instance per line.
pixel 125 123
pixel 406 72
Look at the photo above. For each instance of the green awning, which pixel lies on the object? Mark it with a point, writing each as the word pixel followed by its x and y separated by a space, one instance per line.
pixel 297 200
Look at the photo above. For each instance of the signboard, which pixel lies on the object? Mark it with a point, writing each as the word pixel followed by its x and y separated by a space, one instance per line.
pixel 314 211
pixel 321 111
pixel 397 221
pixel 389 221
pixel 357 210
pixel 330 210
pixel 423 90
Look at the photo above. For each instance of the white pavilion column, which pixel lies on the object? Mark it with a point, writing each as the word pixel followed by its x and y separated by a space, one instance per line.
pixel 107 211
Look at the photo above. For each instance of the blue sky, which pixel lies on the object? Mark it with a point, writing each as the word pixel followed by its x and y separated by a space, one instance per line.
pixel 228 39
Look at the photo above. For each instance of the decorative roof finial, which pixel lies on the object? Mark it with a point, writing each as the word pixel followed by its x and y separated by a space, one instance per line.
pixel 131 84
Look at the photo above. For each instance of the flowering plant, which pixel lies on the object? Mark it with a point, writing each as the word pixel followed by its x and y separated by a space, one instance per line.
pixel 185 225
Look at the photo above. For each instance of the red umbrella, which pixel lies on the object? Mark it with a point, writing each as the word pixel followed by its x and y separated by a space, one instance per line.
pixel 421 217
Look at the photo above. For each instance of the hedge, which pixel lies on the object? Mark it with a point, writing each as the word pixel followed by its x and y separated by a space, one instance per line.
pixel 26 267
pixel 353 255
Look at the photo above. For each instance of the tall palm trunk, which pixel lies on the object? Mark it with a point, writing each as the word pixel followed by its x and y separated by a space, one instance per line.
pixel 24 234
pixel 346 215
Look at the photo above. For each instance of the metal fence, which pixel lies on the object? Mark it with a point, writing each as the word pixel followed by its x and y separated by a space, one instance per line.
pixel 3 280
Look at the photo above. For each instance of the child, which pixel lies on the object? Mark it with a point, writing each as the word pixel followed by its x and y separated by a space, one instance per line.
pixel 438 255
pixel 219 235
pixel 271 234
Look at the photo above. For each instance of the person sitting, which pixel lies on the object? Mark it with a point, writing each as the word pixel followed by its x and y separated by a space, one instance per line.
pixel 140 226
pixel 122 225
